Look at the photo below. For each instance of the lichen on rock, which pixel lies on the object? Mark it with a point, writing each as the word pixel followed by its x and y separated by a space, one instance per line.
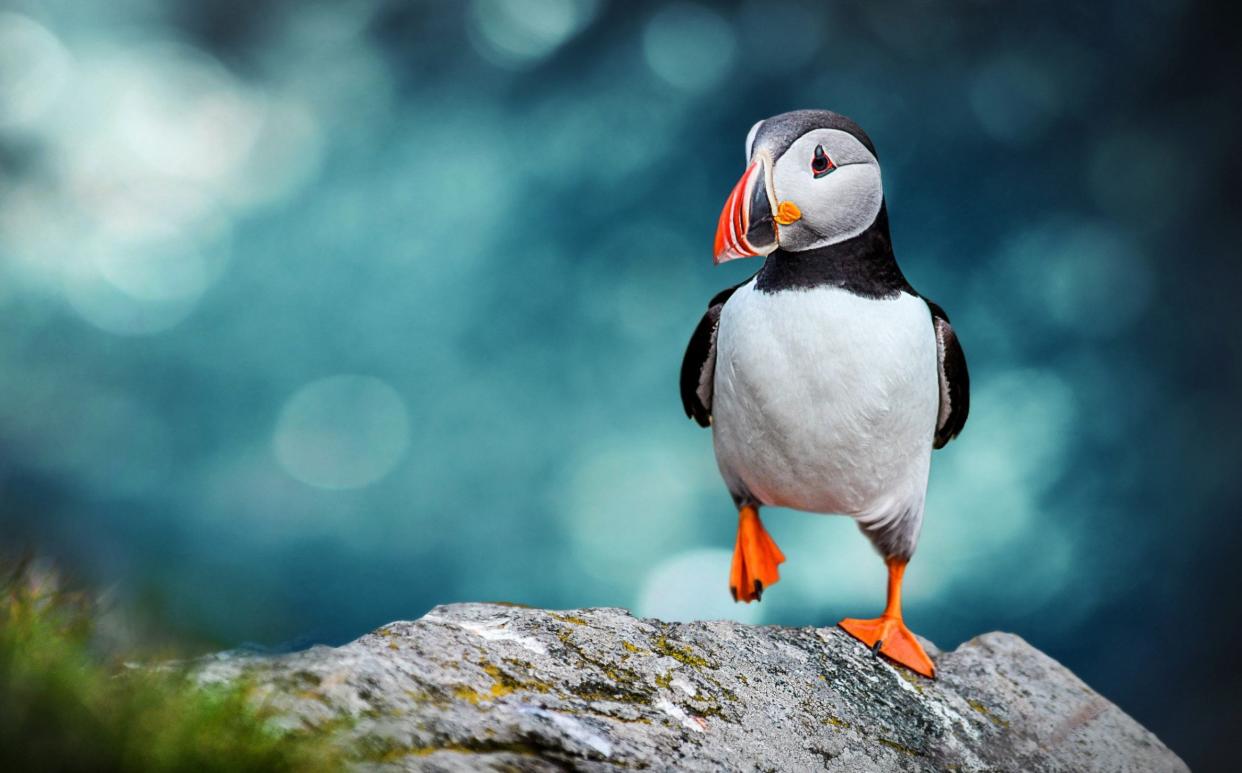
pixel 489 686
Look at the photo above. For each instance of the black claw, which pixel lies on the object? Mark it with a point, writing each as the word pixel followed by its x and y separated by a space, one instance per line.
pixel 758 591
pixel 733 590
pixel 875 648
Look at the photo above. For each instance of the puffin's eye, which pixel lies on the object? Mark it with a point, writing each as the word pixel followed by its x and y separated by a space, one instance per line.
pixel 820 163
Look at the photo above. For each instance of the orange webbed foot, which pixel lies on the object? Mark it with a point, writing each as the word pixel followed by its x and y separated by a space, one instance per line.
pixel 887 634
pixel 893 640
pixel 755 558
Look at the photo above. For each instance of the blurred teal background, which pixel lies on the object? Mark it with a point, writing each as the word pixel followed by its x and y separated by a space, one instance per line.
pixel 315 315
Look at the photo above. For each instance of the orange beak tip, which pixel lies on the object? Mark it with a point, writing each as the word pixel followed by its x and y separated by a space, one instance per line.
pixel 730 242
pixel 748 227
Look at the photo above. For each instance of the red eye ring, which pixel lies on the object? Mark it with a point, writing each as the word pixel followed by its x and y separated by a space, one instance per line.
pixel 820 163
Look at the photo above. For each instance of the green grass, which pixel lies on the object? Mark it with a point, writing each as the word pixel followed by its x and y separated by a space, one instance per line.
pixel 64 706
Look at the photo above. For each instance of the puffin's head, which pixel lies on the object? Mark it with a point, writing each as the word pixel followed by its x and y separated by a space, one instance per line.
pixel 812 180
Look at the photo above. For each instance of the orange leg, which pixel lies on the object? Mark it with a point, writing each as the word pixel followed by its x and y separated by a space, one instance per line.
pixel 887 633
pixel 755 558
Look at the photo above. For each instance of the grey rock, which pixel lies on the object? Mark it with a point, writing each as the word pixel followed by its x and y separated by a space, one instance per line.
pixel 497 687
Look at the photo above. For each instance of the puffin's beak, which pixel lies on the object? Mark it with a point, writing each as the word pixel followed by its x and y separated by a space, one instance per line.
pixel 747 227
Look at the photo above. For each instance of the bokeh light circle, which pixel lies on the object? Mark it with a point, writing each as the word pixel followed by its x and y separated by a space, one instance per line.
pixel 689 46
pixel 165 266
pixel 1143 177
pixel 111 308
pixel 693 585
pixel 782 36
pixel 517 34
pixel 622 492
pixel 143 269
pixel 286 156
pixel 342 432
pixel 830 563
pixel 988 490
pixel 1014 100
pixel 1081 275
pixel 34 69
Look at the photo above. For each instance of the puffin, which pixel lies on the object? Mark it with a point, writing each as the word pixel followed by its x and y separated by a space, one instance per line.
pixel 826 379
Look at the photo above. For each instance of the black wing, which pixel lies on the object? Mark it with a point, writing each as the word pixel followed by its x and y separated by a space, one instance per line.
pixel 698 367
pixel 954 379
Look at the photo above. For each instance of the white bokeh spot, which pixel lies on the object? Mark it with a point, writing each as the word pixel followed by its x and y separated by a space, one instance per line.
pixel 632 498
pixel 517 34
pixel 689 46
pixel 342 432
pixel 693 585
pixel 34 69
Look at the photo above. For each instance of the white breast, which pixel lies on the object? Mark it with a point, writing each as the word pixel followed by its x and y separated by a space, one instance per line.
pixel 826 401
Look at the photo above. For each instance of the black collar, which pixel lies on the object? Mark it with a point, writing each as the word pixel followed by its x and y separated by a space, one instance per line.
pixel 864 265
